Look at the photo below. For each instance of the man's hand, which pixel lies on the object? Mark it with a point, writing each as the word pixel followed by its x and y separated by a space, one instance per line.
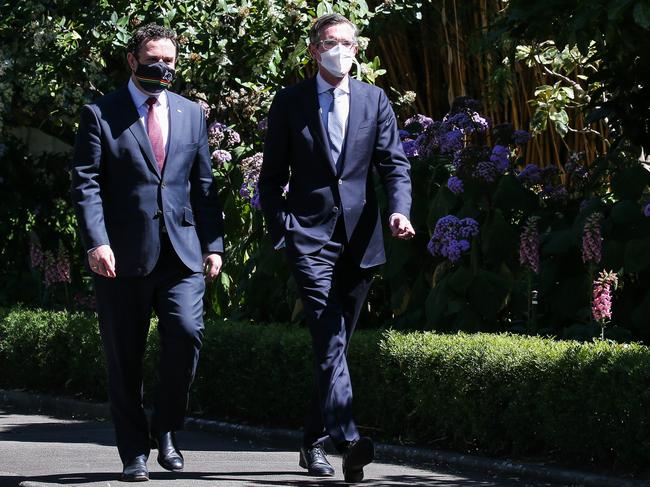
pixel 102 261
pixel 400 226
pixel 211 265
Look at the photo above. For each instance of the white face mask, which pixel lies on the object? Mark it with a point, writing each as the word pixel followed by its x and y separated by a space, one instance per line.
pixel 337 61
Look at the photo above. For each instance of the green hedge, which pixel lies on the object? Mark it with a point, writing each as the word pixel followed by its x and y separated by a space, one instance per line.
pixel 490 394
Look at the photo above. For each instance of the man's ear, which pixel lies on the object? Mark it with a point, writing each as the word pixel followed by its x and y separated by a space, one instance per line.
pixel 313 50
pixel 133 62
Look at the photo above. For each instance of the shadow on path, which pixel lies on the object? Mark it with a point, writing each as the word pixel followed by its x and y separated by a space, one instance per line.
pixel 246 478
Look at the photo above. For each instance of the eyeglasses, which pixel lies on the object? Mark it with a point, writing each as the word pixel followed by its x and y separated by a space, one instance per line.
pixel 331 43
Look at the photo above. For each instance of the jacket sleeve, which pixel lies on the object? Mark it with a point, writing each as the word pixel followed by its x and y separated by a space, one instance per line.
pixel 392 164
pixel 86 180
pixel 274 174
pixel 204 196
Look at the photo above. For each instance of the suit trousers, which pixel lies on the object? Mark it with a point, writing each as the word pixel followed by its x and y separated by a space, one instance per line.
pixel 332 288
pixel 124 307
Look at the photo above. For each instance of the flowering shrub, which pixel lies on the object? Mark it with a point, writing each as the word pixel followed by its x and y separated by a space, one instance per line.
pixel 251 167
pixel 539 225
pixel 591 239
pixel 601 305
pixel 602 298
pixel 529 245
pixel 451 237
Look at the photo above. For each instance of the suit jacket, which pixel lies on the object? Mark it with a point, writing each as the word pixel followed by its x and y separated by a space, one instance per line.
pixel 120 196
pixel 296 151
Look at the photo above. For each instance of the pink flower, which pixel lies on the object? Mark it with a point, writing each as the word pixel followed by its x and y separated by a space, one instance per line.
pixel 529 245
pixel 591 239
pixel 601 306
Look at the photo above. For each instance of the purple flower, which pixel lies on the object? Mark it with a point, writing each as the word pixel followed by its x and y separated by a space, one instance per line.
pixel 521 137
pixel 411 148
pixel 404 134
pixel 486 171
pixel 501 158
pixel 221 157
pixel 451 141
pixel 250 167
pixel 646 210
pixel 529 245
pixel 232 138
pixel 451 237
pixel 263 125
pixel 530 175
pixel 255 200
pixel 455 185
pixel 481 124
pixel 466 121
pixel 601 305
pixel 216 133
pixel 418 124
pixel 591 239
pixel 468 228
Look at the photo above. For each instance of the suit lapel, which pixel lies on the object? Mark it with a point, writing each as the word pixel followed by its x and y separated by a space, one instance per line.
pixel 315 121
pixel 139 132
pixel 176 122
pixel 355 117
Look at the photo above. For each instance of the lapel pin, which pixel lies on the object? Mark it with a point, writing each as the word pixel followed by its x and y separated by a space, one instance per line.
pixel 179 110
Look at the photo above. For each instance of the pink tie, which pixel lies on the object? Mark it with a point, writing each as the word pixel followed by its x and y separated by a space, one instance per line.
pixel 155 134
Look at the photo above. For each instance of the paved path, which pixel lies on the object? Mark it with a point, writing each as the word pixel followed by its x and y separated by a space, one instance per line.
pixel 38 450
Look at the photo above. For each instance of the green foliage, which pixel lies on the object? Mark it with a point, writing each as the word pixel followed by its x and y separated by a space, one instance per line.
pixel 553 103
pixel 495 394
pixel 610 39
pixel 504 394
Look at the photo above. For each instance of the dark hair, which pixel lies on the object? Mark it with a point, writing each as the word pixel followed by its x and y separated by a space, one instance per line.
pixel 324 21
pixel 149 32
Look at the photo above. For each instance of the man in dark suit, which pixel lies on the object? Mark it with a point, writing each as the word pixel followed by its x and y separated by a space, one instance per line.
pixel 152 226
pixel 325 138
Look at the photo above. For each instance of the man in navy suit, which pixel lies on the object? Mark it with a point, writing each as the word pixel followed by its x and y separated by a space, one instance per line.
pixel 152 226
pixel 326 136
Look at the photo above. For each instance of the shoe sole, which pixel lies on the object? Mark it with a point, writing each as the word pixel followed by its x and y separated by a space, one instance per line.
pixel 361 455
pixel 134 479
pixel 169 468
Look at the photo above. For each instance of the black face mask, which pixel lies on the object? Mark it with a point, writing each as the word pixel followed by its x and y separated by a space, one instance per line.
pixel 155 77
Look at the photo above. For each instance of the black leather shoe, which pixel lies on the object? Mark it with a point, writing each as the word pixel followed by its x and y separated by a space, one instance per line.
pixel 357 455
pixel 135 470
pixel 315 461
pixel 169 456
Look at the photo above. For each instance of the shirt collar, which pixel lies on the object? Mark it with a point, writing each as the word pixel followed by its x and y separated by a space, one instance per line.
pixel 322 86
pixel 139 98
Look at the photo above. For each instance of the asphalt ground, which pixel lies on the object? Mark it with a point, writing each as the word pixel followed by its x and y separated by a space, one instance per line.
pixel 40 445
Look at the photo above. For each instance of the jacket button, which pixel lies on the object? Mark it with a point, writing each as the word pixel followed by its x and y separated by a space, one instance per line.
pixel 162 185
pixel 340 181
pixel 335 209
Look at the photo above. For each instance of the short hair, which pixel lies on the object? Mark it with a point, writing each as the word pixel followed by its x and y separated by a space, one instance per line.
pixel 150 32
pixel 324 21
